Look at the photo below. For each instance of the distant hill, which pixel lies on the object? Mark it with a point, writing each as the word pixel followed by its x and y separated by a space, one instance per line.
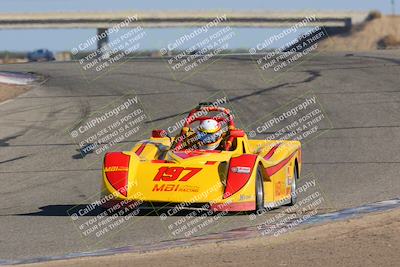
pixel 377 33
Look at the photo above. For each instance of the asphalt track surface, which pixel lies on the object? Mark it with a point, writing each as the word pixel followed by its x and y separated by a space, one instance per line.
pixel 356 161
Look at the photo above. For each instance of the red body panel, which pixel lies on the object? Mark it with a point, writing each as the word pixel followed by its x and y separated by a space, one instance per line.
pixel 236 181
pixel 116 165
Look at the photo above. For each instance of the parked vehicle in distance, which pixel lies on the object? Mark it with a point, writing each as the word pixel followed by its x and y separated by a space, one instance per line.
pixel 40 55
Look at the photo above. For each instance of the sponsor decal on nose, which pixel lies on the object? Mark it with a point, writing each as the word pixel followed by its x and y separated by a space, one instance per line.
pixel 238 169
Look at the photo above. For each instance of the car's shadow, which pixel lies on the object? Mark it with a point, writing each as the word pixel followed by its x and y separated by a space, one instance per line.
pixel 88 210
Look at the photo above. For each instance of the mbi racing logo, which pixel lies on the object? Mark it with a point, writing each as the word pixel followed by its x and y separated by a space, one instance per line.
pixel 115 169
pixel 170 174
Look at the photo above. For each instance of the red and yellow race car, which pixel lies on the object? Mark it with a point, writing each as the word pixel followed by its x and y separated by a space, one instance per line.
pixel 238 175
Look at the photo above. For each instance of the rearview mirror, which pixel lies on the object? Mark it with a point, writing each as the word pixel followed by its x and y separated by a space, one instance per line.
pixel 236 133
pixel 159 133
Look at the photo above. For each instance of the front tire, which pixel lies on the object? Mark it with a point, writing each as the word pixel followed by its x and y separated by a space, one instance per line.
pixel 259 190
pixel 293 187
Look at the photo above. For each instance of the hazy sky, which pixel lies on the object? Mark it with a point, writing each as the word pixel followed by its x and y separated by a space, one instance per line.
pixel 56 40
pixel 100 5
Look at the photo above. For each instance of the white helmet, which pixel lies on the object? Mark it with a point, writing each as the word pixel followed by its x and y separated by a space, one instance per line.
pixel 209 134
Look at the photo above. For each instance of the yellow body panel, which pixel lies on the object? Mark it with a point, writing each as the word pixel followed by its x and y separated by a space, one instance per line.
pixel 277 186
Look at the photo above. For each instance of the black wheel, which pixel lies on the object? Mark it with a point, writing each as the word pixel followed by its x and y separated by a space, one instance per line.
pixel 293 195
pixel 259 190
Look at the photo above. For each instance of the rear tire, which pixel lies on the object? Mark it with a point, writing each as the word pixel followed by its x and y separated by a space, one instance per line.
pixel 259 190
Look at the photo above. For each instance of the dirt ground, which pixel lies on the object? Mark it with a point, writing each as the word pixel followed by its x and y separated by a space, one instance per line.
pixel 11 91
pixel 364 37
pixel 371 240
